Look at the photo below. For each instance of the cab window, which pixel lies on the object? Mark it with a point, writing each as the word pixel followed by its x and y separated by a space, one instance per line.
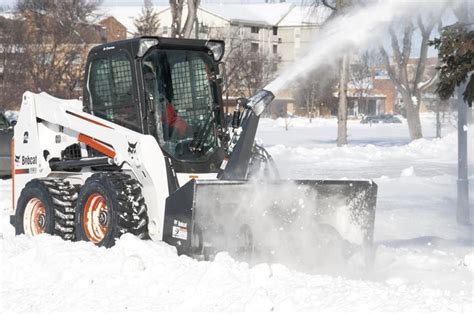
pixel 179 87
pixel 112 91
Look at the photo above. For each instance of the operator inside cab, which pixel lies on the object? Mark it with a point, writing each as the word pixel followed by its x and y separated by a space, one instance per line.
pixel 181 96
pixel 173 125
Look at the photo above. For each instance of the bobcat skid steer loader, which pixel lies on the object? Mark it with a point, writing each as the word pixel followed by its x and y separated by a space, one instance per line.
pixel 149 151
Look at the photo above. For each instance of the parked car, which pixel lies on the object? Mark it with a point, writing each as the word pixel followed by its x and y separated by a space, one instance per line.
pixel 381 118
pixel 6 134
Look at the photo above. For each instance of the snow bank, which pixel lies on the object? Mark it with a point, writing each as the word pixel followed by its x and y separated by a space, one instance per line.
pixel 11 115
pixel 422 149
pixel 142 276
pixel 469 261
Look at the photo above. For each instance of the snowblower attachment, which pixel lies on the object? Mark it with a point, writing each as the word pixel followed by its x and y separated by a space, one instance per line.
pixel 301 221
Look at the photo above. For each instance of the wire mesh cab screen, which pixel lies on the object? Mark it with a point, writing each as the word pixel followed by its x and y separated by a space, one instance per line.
pixel 177 84
pixel 111 88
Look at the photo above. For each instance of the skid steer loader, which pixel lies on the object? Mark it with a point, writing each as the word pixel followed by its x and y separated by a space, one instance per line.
pixel 149 151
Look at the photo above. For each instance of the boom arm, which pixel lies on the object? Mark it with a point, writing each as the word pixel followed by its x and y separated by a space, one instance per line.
pixel 47 125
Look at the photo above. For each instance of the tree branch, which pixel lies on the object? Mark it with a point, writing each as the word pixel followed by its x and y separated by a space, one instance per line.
pixel 190 19
pixel 407 36
pixel 397 55
pixel 326 4
pixel 391 73
pixel 420 24
pixel 428 83
pixel 401 56
pixel 425 36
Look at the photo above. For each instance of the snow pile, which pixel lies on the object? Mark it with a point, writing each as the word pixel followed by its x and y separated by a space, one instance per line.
pixel 408 172
pixel 11 115
pixel 422 149
pixel 469 261
pixel 142 276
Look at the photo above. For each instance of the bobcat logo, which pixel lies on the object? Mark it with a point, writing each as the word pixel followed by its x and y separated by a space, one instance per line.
pixel 17 159
pixel 132 148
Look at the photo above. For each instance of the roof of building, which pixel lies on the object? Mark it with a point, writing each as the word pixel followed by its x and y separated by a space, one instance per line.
pixel 261 13
pixel 270 14
pixel 126 14
pixel 305 15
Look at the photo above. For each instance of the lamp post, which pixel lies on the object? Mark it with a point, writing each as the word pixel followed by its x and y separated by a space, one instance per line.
pixel 462 211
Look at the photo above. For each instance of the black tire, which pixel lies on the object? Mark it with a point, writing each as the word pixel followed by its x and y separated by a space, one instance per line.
pixel 123 209
pixel 57 197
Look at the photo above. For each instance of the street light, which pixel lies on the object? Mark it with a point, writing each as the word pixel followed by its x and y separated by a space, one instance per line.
pixel 462 211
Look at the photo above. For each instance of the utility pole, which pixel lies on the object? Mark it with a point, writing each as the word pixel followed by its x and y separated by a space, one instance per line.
pixel 462 212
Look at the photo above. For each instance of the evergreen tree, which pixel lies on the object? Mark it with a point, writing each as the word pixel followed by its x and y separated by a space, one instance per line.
pixel 148 23
pixel 456 53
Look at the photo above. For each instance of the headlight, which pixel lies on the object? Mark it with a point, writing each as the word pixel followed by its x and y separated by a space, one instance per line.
pixel 217 49
pixel 145 44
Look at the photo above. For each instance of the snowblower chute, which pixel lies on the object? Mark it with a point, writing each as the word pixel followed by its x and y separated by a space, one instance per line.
pixel 271 220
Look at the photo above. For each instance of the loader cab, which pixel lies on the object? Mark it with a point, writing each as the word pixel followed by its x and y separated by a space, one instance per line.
pixel 165 87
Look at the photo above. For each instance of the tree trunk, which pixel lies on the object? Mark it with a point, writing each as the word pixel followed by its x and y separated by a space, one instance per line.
pixel 438 118
pixel 413 117
pixel 176 8
pixel 190 19
pixel 342 105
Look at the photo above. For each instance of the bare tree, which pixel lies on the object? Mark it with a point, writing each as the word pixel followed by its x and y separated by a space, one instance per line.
pixel 361 76
pixel 176 6
pixel 339 7
pixel 247 68
pixel 148 23
pixel 250 70
pixel 315 92
pixel 234 42
pixel 48 45
pixel 12 75
pixel 409 86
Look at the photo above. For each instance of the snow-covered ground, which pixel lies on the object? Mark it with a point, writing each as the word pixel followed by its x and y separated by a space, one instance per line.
pixel 424 261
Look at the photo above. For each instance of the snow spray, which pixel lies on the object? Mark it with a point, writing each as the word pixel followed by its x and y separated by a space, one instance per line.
pixel 359 28
pixel 307 225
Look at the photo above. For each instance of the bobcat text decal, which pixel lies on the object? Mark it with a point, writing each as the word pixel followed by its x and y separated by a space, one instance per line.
pixel 26 160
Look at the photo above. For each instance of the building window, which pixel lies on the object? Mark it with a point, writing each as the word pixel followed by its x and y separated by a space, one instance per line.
pixel 275 30
pixel 254 29
pixel 275 49
pixel 253 47
pixel 274 67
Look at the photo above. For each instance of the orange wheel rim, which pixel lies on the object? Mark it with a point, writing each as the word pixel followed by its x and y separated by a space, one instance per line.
pixel 34 218
pixel 95 218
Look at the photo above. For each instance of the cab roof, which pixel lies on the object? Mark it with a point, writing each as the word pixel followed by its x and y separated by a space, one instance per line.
pixel 132 45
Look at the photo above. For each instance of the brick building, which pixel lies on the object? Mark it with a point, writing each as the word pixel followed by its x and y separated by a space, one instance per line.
pixel 113 29
pixel 65 54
